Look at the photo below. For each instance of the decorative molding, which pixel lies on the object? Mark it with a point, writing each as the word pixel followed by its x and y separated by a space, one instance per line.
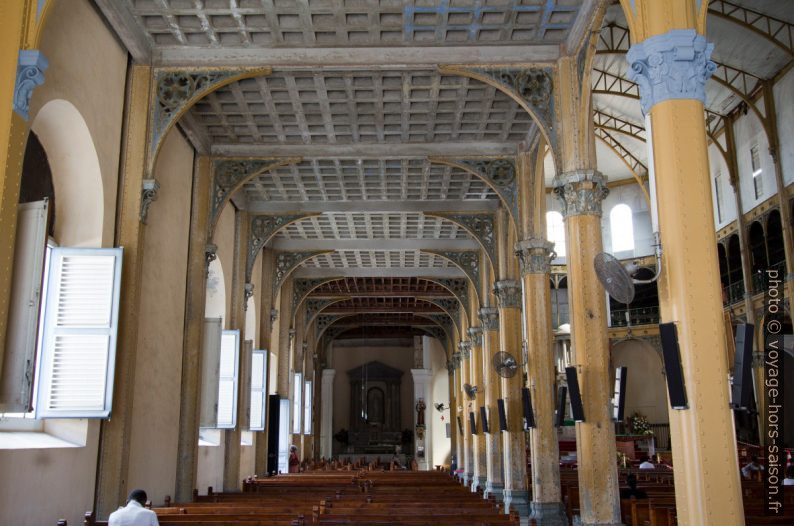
pixel 467 260
pixel 286 262
pixel 480 226
pixel 581 192
pixel 315 305
pixel 535 255
pixel 444 321
pixel 248 292
pixel 465 349
pixel 459 287
pixel 489 318
pixel 302 287
pixel 475 335
pixel 508 294
pixel 31 65
pixel 210 254
pixel 450 306
pixel 273 316
pixel 263 228
pixel 149 189
pixel 501 173
pixel 674 65
pixel 439 334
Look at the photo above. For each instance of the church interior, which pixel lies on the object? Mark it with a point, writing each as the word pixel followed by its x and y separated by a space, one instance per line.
pixel 397 261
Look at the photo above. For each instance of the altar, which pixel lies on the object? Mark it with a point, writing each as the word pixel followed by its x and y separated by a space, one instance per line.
pixel 374 409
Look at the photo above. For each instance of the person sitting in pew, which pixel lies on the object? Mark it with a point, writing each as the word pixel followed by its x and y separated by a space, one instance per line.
pixel 646 463
pixel 632 491
pixel 789 480
pixel 134 513
pixel 294 462
pixel 752 467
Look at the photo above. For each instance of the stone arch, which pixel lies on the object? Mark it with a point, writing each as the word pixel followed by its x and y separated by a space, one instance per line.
pixel 76 175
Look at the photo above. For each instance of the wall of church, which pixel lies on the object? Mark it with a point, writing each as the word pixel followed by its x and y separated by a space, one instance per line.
pixel 646 391
pixel 223 237
pixel 349 354
pixel 155 429
pixel 87 68
pixel 442 446
pixel 784 106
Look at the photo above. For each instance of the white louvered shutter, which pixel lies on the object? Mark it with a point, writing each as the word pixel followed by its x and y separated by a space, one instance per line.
pixel 297 403
pixel 210 365
pixel 78 350
pixel 19 357
pixel 227 379
pixel 258 390
pixel 307 409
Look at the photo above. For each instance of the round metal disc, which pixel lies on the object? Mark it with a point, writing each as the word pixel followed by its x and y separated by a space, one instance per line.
pixel 614 277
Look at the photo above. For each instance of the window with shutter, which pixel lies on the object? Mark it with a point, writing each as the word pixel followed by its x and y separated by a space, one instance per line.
pixel 80 326
pixel 227 379
pixel 258 390
pixel 307 409
pixel 297 403
pixel 283 435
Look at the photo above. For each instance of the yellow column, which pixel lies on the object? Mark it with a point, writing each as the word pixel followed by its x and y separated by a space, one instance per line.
pixel 479 460
pixel 535 255
pixel 468 405
pixel 495 483
pixel 199 257
pixel 669 39
pixel 20 72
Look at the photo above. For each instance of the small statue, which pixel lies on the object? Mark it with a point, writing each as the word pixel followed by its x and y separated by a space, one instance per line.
pixel 420 412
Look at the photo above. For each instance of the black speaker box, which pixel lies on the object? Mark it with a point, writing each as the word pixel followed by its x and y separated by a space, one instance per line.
pixel 619 398
pixel 484 419
pixel 741 389
pixel 576 397
pixel 274 407
pixel 672 366
pixel 473 423
pixel 500 407
pixel 529 415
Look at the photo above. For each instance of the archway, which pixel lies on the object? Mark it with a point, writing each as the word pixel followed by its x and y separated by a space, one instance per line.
pixel 774 239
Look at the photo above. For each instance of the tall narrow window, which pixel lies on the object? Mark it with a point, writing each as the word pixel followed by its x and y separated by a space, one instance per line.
pixel 227 379
pixel 555 232
pixel 755 164
pixel 718 194
pixel 622 227
pixel 258 390
pixel 297 403
pixel 307 409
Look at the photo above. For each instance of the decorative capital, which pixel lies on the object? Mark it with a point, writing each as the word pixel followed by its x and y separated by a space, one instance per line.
pixel 475 335
pixel 451 366
pixel 508 293
pixel 273 316
pixel 149 191
pixel 31 65
pixel 248 292
pixel 581 192
pixel 489 318
pixel 481 227
pixel 465 349
pixel 535 255
pixel 210 253
pixel 291 334
pixel 674 65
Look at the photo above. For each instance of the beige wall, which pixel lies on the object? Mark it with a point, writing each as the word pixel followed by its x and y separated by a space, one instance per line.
pixel 155 417
pixel 353 353
pixel 442 446
pixel 87 68
pixel 646 391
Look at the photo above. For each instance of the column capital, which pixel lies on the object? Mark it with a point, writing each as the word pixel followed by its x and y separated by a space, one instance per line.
pixel 489 318
pixel 210 253
pixel 508 293
pixel 535 255
pixel 456 358
pixel 149 190
pixel 581 192
pixel 475 335
pixel 465 349
pixel 329 373
pixel 248 292
pixel 31 65
pixel 674 65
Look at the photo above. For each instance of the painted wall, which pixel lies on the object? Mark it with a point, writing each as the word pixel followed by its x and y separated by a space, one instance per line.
pixel 155 417
pixel 87 68
pixel 349 354
pixel 784 106
pixel 646 390
pixel 442 446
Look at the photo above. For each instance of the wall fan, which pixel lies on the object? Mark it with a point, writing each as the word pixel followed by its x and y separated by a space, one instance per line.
pixel 470 390
pixel 505 364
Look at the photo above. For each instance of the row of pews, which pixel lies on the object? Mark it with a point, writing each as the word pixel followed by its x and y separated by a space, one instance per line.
pixel 659 508
pixel 326 498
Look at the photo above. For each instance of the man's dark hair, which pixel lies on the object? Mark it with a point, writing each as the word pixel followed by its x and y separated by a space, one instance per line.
pixel 137 495
pixel 754 459
pixel 632 481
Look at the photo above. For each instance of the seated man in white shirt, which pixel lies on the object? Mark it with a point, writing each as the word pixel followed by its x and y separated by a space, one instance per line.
pixel 134 513
pixel 647 464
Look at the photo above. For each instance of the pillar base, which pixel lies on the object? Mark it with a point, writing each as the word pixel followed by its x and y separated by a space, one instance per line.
pixel 478 483
pixel 517 501
pixel 548 513
pixel 577 521
pixel 495 490
pixel 466 478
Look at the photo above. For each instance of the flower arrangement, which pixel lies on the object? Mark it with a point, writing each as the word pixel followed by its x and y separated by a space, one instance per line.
pixel 639 425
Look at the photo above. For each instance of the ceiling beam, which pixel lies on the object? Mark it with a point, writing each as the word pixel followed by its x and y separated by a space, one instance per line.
pixel 366 150
pixel 374 244
pixel 377 206
pixel 126 27
pixel 351 58
pixel 413 272
pixel 383 294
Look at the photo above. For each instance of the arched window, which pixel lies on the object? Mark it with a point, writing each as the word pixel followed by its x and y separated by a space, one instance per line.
pixel 622 228
pixel 555 232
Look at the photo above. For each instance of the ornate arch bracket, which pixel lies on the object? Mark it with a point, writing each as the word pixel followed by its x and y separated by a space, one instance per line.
pixel 457 286
pixel 444 322
pixel 531 88
pixel 287 262
pixel 315 306
pixel 175 91
pixel 325 323
pixel 499 173
pixel 302 287
pixel 229 175
pixel 438 333
pixel 481 227
pixel 262 230
pixel 468 261
pixel 450 306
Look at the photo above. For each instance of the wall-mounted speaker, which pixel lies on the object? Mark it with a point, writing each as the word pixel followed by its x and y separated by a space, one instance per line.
pixel 672 366
pixel 473 423
pixel 460 425
pixel 619 396
pixel 742 367
pixel 562 401
pixel 529 415
pixel 576 397
pixel 500 407
pixel 484 419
